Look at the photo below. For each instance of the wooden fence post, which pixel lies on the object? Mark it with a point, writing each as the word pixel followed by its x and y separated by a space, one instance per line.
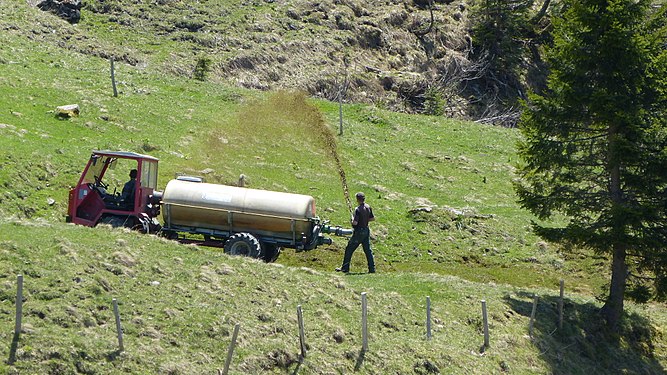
pixel 485 322
pixel 119 328
pixel 302 333
pixel 532 316
pixel 341 91
pixel 340 112
pixel 19 314
pixel 364 322
pixel 19 305
pixel 560 305
pixel 428 317
pixel 113 78
pixel 230 352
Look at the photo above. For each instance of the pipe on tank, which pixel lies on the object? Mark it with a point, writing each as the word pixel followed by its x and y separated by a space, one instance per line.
pixel 337 231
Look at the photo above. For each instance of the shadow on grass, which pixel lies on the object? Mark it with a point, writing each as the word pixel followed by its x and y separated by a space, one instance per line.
pixel 584 345
pixel 112 356
pixel 298 366
pixel 13 348
pixel 360 360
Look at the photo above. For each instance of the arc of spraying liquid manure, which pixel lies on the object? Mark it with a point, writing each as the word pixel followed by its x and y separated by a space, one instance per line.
pixel 329 140
pixel 343 180
pixel 295 108
pixel 317 124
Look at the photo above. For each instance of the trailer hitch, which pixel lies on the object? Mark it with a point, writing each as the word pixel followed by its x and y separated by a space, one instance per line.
pixel 336 231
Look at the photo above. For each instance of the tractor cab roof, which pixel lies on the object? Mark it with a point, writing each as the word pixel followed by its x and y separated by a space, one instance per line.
pixel 124 155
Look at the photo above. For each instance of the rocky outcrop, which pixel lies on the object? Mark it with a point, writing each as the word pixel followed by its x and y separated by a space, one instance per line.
pixel 69 10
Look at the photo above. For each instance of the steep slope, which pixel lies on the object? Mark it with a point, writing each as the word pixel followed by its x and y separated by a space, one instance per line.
pixel 375 49
pixel 179 305
pixel 441 189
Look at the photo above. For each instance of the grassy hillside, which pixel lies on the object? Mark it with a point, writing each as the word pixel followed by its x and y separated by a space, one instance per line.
pixel 179 304
pixel 448 226
pixel 462 170
pixel 298 44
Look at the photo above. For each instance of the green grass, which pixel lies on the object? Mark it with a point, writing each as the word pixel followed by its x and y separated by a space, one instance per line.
pixel 474 244
pixel 402 162
pixel 179 304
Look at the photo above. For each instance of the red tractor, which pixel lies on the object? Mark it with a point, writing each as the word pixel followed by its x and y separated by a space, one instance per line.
pixel 136 205
pixel 251 222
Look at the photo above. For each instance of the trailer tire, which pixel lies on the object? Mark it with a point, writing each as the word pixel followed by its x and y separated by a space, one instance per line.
pixel 169 234
pixel 270 252
pixel 244 244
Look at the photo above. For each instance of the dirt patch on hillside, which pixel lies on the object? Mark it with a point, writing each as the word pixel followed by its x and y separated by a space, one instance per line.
pixel 384 61
pixel 392 53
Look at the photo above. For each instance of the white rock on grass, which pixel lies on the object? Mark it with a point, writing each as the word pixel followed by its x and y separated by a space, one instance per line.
pixel 70 110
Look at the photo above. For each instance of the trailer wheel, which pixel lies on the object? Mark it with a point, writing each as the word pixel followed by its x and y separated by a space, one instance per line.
pixel 270 252
pixel 244 244
pixel 168 234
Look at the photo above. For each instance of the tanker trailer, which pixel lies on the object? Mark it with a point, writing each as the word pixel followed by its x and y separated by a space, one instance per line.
pixel 250 222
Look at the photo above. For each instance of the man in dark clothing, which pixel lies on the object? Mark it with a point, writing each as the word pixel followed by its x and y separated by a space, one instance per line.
pixel 127 196
pixel 363 214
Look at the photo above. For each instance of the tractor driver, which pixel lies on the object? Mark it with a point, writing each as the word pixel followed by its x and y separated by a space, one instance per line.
pixel 127 196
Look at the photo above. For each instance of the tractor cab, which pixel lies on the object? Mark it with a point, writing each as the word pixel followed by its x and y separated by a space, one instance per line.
pixel 117 188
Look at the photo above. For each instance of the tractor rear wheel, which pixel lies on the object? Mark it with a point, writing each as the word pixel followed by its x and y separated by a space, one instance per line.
pixel 244 244
pixel 118 221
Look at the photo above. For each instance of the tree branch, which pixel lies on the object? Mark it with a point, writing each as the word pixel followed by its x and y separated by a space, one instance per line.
pixel 647 278
pixel 543 11
pixel 421 34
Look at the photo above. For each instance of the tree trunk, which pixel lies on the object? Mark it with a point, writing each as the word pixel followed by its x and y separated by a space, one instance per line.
pixel 613 308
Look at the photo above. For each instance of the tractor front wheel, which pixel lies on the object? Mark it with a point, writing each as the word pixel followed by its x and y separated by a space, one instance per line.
pixel 244 244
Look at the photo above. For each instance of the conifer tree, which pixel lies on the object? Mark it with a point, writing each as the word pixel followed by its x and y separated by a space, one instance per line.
pixel 594 146
pixel 499 29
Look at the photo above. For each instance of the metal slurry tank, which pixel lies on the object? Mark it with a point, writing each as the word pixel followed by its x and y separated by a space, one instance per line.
pixel 214 209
